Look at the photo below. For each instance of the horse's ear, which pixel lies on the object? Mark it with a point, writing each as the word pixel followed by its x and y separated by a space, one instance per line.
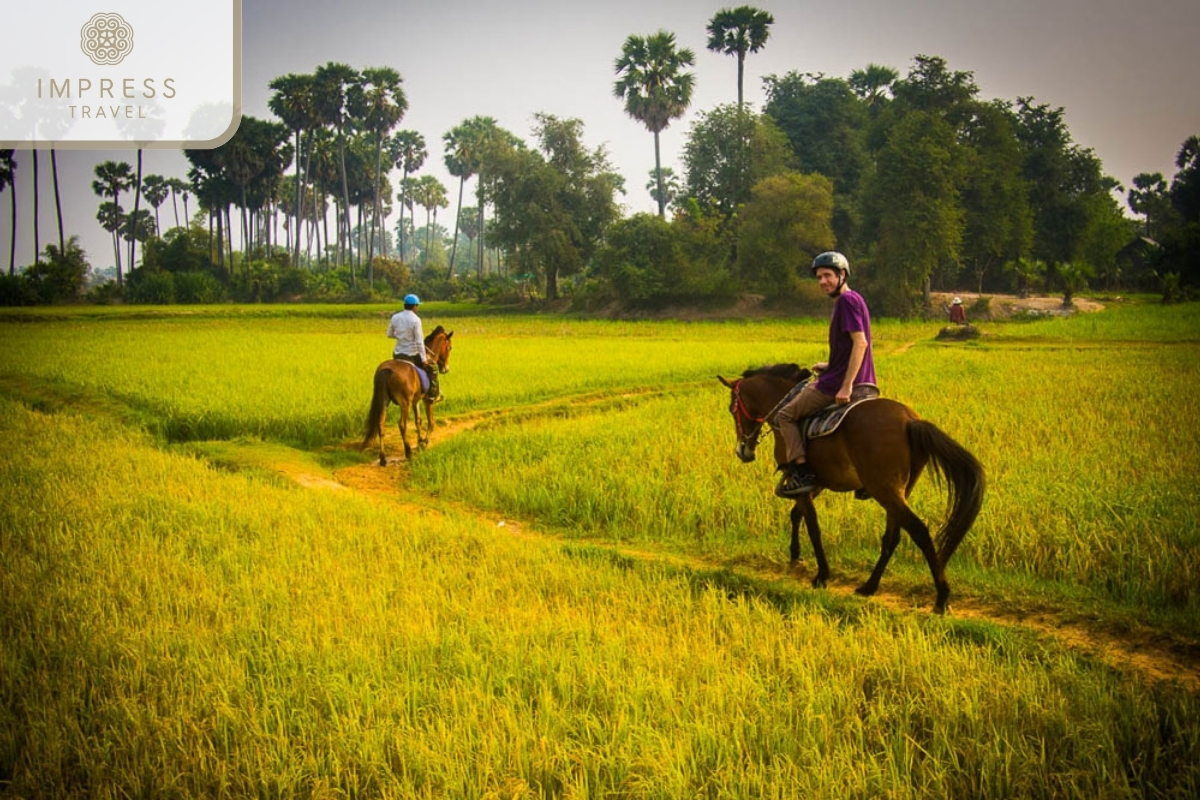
pixel 450 335
pixel 727 384
pixel 805 374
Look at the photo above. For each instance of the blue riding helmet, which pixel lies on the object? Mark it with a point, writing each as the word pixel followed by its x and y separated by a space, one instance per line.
pixel 412 300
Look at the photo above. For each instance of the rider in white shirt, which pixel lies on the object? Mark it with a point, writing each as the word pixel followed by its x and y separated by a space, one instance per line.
pixel 405 327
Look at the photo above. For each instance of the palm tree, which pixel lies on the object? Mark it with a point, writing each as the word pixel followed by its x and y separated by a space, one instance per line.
pixel 8 180
pixel 294 102
pixel 112 178
pixel 332 81
pixel 407 151
pixel 378 103
pixel 737 31
pixel 430 195
pixel 156 190
pixel 461 162
pixel 871 83
pixel 654 89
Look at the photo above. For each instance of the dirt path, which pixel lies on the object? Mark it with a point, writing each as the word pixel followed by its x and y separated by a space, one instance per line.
pixel 1155 655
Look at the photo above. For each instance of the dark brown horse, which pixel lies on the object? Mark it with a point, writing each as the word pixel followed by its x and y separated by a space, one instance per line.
pixel 879 450
pixel 398 382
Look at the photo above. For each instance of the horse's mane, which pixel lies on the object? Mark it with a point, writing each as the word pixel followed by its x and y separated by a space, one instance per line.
pixel 433 334
pixel 792 372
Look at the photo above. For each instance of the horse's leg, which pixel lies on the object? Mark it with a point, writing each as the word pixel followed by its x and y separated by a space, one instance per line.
pixel 382 425
pixel 416 412
pixel 898 510
pixel 804 505
pixel 404 430
pixel 429 413
pixel 891 538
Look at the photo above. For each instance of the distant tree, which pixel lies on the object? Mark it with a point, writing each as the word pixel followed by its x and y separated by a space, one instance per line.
pixel 728 151
pixel 997 218
pixel 736 32
pixel 155 188
pixel 1185 188
pixel 670 186
pixel 294 102
pixel 1066 185
pixel 873 84
pixel 913 206
pixel 331 84
pixel 61 275
pixel 8 180
pixel 430 194
pixel 827 126
pixel 408 153
pixel 553 205
pixel 654 87
pixel 1150 198
pixel 112 178
pixel 463 158
pixel 787 222
pixel 378 103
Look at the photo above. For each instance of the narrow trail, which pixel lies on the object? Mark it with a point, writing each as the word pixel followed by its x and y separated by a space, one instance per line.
pixel 1157 656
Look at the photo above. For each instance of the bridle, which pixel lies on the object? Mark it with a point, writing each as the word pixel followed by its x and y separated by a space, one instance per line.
pixel 748 425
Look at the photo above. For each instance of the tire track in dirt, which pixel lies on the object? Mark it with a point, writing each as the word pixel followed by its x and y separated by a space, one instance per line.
pixel 1157 656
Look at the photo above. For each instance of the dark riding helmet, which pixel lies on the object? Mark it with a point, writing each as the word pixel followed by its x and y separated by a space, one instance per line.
pixel 832 260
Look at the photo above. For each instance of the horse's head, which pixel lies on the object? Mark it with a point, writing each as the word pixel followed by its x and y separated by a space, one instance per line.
pixel 440 343
pixel 752 399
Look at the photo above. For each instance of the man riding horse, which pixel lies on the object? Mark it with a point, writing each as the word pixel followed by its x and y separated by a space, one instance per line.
pixel 848 375
pixel 405 328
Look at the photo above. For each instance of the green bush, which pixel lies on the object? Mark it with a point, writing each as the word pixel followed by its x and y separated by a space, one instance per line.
pixel 198 288
pixel 150 288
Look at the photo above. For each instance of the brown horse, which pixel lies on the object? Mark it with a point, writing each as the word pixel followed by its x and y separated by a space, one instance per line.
pixel 879 450
pixel 398 382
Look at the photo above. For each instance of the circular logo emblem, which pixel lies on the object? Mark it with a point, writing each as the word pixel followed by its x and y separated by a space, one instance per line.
pixel 106 39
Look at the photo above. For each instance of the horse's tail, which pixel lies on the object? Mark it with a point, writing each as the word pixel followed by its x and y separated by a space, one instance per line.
pixel 379 404
pixel 964 476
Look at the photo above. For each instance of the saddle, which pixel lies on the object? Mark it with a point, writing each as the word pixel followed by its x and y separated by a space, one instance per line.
pixel 827 420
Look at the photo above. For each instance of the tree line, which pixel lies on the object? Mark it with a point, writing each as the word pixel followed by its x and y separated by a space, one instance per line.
pixel 920 181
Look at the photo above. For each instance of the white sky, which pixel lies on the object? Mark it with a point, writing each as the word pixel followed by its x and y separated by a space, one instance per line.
pixel 1124 72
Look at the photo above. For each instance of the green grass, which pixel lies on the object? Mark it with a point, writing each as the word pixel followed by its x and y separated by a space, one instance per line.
pixel 178 620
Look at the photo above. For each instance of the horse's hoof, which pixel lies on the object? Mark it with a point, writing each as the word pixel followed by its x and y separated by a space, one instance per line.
pixel 939 608
pixel 383 462
pixel 818 583
pixel 866 590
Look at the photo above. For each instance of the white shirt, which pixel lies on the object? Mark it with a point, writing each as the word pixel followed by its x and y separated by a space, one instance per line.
pixel 405 328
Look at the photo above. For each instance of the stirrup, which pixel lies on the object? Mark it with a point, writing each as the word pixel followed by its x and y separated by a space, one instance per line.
pixel 796 481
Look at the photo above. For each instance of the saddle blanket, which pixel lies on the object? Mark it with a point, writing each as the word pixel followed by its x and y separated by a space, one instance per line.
pixel 421 373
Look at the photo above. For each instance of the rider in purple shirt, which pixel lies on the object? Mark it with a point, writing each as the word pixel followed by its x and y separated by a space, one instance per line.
pixel 850 366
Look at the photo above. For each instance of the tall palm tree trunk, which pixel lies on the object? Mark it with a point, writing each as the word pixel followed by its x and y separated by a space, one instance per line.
pixel 137 201
pixel 12 244
pixel 662 207
pixel 62 240
pixel 479 192
pixel 457 216
pixel 37 243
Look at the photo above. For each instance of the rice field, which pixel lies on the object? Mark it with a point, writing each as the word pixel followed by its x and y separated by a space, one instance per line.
pixel 176 623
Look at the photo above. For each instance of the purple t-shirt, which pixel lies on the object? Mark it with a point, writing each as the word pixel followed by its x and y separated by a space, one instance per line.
pixel 849 315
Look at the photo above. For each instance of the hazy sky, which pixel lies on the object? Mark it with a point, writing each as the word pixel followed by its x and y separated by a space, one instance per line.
pixel 1124 72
